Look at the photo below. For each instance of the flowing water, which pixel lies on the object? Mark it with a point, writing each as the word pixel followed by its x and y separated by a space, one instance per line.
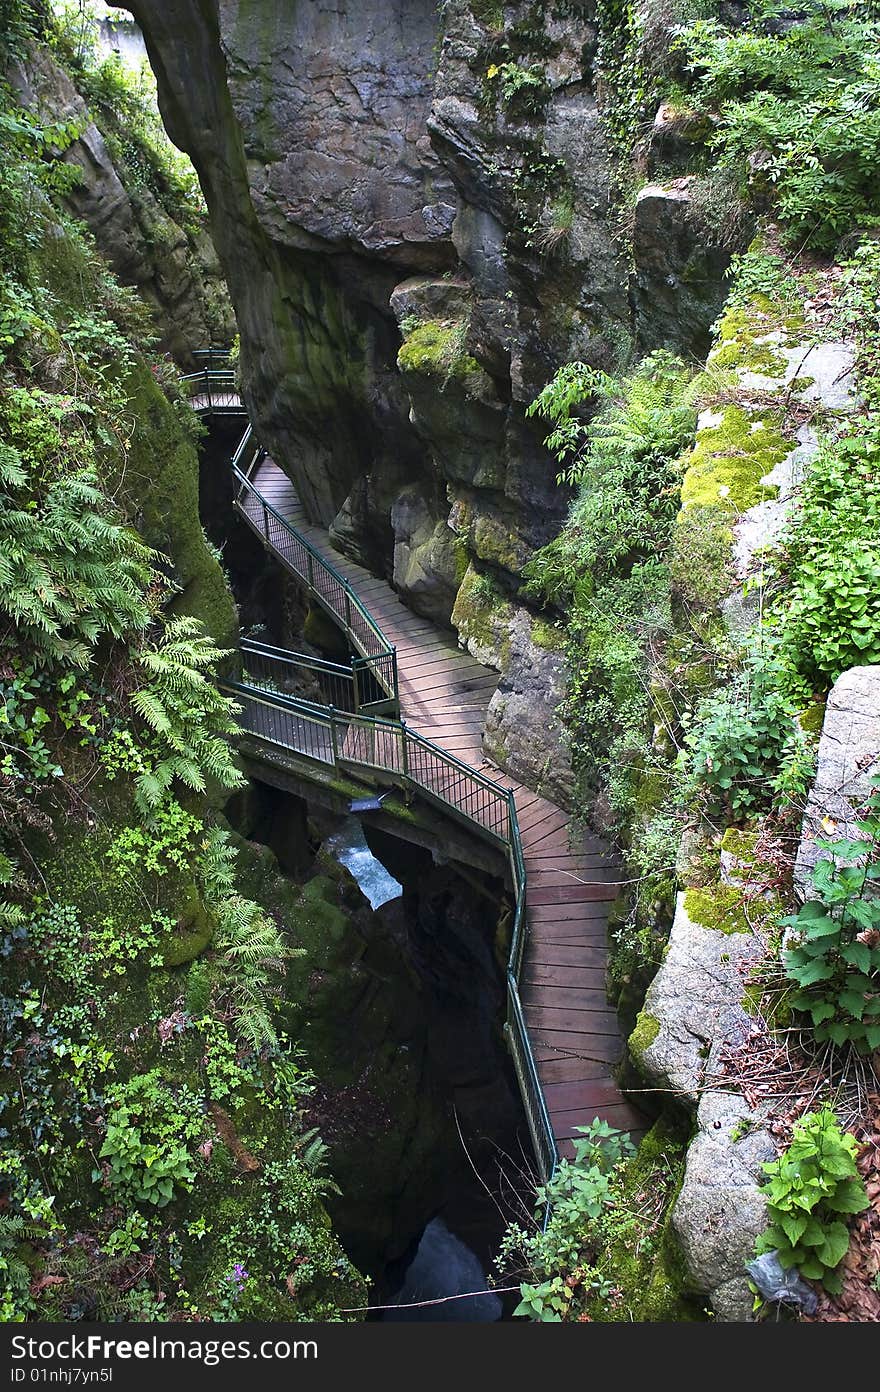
pixel 443 1266
pixel 349 846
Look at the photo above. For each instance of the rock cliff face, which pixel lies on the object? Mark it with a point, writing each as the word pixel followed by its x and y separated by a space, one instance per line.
pixel 172 265
pixel 412 206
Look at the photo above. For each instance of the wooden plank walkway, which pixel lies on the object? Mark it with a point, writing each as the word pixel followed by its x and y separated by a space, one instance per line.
pixel 571 880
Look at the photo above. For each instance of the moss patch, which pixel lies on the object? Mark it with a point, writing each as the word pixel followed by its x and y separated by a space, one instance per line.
pixel 730 459
pixel 812 719
pixel 739 843
pixel 650 1273
pixel 724 908
pixel 547 635
pixel 436 349
pixel 195 929
pixel 482 613
pixel 161 488
pixel 700 553
pixel 643 1036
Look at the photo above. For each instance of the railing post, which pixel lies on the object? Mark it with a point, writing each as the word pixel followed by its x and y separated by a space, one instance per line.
pixel 404 761
pixel 356 683
pixel 311 570
pixel 348 611
pixel 334 741
pixel 394 679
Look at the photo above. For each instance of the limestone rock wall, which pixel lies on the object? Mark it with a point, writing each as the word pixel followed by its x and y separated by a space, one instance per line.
pixel 175 268
pixel 346 148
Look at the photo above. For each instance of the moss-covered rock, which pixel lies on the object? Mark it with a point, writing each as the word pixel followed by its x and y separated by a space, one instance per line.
pixel 733 453
pixel 483 616
pixel 436 348
pixel 194 931
pixel 643 1036
pixel 649 1273
pixel 728 909
pixel 160 484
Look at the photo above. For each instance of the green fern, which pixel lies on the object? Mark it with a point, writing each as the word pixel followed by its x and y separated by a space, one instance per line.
pixel 70 572
pixel 189 717
pixel 253 957
pixel 623 464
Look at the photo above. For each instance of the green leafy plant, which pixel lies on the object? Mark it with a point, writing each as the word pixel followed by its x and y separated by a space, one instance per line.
pixel 577 1195
pixel 187 713
pixel 69 570
pixel 145 1151
pixel 522 88
pixel 829 612
pixel 799 110
pixel 807 1190
pixel 833 955
pixel 742 738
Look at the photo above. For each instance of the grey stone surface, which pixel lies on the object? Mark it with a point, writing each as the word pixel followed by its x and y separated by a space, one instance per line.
pixel 821 374
pixel 424 557
pixel 762 525
pixel 332 100
pixel 849 754
pixel 524 735
pixel 720 1210
pixel 696 998
pixel 679 288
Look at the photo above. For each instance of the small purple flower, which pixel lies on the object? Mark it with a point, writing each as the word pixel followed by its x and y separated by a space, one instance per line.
pixel 238 1276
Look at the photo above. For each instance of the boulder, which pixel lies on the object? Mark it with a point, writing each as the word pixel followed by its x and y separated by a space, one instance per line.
pixel 849 754
pixel 693 1008
pixel 523 734
pixel 425 557
pixel 678 283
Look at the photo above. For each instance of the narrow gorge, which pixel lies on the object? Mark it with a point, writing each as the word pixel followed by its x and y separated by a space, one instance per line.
pixel 440 662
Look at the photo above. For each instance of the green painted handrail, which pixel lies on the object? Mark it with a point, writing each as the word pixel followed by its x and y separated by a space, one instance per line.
pixel 352 742
pixel 356 741
pixel 378 656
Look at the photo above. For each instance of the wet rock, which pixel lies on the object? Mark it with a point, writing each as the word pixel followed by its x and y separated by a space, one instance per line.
pixel 675 137
pixel 332 103
pixel 175 269
pixel 425 558
pixel 678 286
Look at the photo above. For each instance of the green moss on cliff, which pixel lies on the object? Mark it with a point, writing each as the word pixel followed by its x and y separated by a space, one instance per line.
pixel 482 614
pixel 730 459
pixel 436 349
pixel 160 481
pixel 728 909
pixel 642 1256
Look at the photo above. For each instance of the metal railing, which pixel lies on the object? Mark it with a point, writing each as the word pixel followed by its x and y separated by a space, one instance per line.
pixel 375 663
pixel 348 733
pixel 212 387
pixel 351 742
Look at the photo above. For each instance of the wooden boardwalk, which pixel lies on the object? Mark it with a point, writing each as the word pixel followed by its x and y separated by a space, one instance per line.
pixel 571 879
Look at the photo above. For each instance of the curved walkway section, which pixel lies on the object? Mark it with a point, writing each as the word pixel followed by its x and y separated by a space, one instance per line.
pixel 569 880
